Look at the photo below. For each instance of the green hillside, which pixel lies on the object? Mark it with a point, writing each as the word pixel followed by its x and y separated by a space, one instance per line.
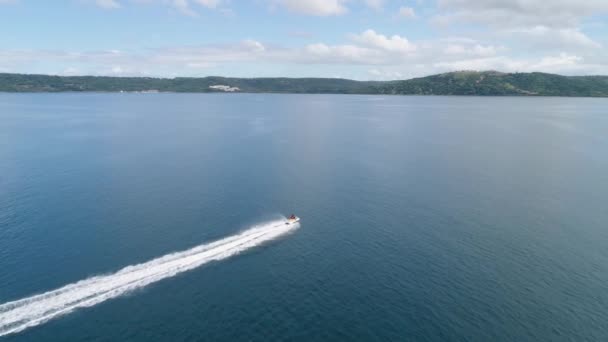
pixel 453 83
pixel 497 83
pixel 44 83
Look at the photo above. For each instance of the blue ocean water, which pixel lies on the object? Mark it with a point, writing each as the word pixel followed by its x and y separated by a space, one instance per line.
pixel 423 218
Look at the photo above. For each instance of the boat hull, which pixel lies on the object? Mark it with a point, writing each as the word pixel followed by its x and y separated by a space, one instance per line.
pixel 292 221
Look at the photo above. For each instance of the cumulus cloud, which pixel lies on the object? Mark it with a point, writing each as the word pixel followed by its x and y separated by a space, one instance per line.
pixel 366 48
pixel 557 62
pixel 562 63
pixel 337 54
pixel 314 7
pixel 254 45
pixel 554 13
pixel 528 27
pixel 474 50
pixel 207 55
pixel 375 40
pixel 556 38
pixel 383 56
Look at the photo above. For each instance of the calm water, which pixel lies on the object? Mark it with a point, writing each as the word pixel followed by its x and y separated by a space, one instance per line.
pixel 423 218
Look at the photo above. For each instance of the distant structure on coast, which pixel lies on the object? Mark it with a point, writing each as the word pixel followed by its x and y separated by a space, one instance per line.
pixel 224 88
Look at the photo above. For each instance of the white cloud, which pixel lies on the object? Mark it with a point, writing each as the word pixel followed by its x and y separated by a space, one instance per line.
pixel 320 53
pixel 552 63
pixel 474 50
pixel 254 45
pixel 247 50
pixel 562 63
pixel 500 63
pixel 406 12
pixel 557 38
pixel 107 4
pixel 518 13
pixel 540 32
pixel 395 43
pixel 374 54
pixel 314 7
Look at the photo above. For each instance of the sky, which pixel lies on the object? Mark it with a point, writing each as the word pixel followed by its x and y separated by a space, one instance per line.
pixel 356 39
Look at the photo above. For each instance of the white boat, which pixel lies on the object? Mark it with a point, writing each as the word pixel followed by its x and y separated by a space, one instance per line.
pixel 292 219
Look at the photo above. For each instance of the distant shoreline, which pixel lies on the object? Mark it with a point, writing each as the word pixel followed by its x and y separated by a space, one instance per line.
pixel 461 83
pixel 92 92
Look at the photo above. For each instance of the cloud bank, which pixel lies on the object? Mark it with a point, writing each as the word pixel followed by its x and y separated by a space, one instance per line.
pixel 511 36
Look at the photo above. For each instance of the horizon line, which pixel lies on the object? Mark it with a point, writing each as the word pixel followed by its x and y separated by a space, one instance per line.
pixel 304 77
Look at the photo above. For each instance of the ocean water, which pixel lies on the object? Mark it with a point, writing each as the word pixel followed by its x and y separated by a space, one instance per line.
pixel 423 218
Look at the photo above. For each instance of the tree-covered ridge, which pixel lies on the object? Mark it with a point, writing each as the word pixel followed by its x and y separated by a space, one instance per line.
pixel 453 83
pixel 44 83
pixel 497 83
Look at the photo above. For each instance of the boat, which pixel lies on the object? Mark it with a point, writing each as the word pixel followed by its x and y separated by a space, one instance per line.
pixel 292 219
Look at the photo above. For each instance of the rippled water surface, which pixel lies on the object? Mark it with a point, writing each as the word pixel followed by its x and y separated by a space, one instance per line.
pixel 423 218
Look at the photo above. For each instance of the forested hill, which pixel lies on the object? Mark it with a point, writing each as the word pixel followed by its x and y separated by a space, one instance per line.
pixel 453 83
pixel 44 83
pixel 497 83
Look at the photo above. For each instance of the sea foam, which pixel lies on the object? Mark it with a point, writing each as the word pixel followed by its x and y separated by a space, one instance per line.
pixel 21 314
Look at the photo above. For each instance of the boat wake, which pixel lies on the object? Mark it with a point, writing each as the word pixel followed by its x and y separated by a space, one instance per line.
pixel 21 314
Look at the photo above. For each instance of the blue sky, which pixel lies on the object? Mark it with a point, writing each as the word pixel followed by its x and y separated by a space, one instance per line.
pixel 359 39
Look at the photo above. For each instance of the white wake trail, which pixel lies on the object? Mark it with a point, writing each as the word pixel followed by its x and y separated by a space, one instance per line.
pixel 28 312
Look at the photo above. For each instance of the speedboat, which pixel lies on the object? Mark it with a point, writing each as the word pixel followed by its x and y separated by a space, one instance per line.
pixel 292 219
